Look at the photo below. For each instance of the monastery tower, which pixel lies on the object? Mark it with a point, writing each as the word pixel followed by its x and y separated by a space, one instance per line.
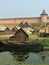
pixel 44 16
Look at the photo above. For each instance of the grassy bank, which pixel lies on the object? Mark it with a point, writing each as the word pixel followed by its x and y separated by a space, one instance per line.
pixel 33 38
pixel 42 40
pixel 5 37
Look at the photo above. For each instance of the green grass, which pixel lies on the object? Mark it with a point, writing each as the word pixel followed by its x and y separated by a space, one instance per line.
pixel 5 37
pixel 42 40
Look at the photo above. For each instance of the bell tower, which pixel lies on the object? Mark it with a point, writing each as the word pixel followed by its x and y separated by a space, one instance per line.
pixel 44 16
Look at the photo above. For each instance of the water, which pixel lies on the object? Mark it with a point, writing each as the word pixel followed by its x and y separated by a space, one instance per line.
pixel 16 58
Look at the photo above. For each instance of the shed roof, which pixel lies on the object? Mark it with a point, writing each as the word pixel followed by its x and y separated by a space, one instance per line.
pixel 14 28
pixel 26 24
pixel 3 28
pixel 23 31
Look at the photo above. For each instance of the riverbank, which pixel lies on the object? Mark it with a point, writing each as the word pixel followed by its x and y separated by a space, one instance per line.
pixel 46 48
pixel 20 47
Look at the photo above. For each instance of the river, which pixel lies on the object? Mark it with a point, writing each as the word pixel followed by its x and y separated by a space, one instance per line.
pixel 17 58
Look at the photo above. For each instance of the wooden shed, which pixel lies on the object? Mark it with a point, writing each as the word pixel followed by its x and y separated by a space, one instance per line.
pixel 14 29
pixel 21 25
pixel 20 36
pixel 7 29
pixel 4 31
pixel 26 25
pixel 44 32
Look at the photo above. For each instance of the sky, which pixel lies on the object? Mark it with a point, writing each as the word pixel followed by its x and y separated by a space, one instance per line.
pixel 22 8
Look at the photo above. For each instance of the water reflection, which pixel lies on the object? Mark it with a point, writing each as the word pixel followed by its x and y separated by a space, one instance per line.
pixel 20 56
pixel 43 56
pixel 31 57
pixel 25 57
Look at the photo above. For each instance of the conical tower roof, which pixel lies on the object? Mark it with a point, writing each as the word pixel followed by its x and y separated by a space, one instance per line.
pixel 44 13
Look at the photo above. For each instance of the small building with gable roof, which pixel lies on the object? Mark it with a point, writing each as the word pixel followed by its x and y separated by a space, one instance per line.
pixel 19 36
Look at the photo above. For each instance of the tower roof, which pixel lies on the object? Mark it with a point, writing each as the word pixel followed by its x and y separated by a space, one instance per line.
pixel 44 13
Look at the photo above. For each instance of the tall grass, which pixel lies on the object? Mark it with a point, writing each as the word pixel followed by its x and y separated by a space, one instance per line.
pixel 41 40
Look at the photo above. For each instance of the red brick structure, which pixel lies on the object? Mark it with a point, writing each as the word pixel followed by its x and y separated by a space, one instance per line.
pixel 43 18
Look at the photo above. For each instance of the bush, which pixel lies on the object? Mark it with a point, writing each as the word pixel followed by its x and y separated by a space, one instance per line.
pixel 6 39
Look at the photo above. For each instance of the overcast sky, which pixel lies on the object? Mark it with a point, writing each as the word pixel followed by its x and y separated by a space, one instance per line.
pixel 22 8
